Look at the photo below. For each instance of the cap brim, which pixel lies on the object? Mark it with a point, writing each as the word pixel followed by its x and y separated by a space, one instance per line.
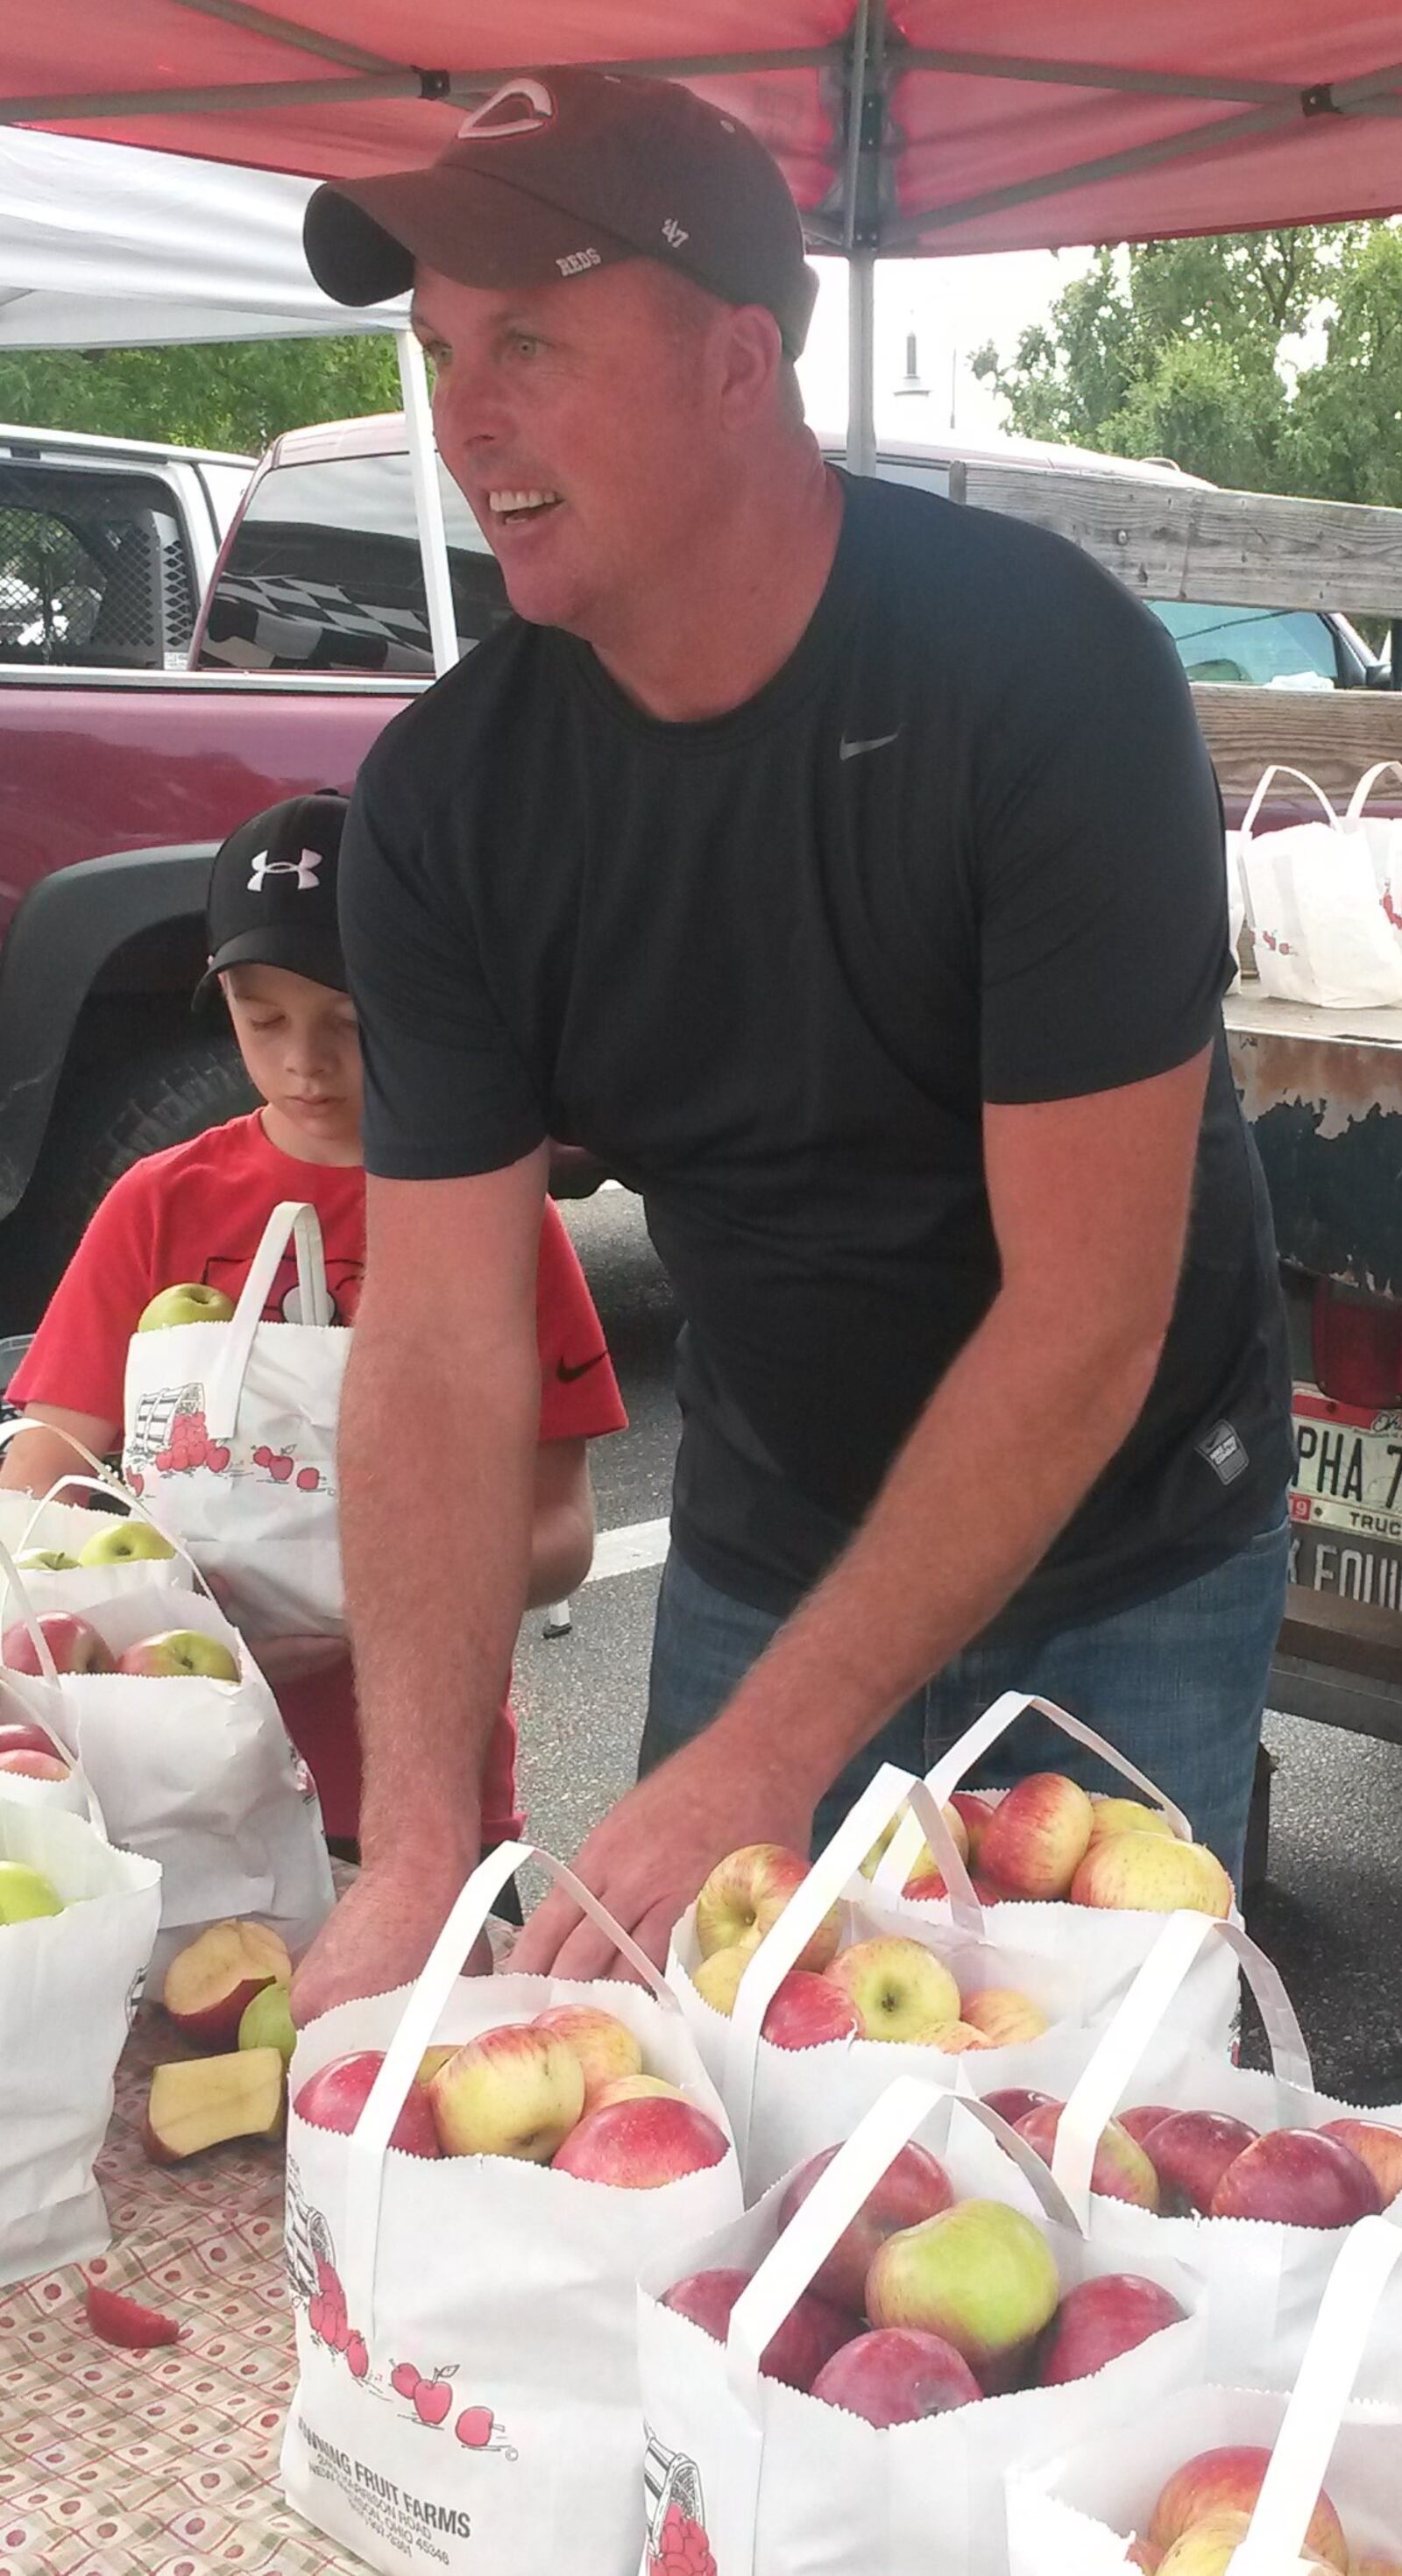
pixel 315 954
pixel 362 240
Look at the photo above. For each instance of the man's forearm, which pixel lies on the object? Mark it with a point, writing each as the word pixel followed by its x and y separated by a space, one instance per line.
pixel 1011 1441
pixel 436 1478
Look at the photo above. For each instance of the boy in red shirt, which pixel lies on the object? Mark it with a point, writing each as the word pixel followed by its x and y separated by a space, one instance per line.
pixel 197 1212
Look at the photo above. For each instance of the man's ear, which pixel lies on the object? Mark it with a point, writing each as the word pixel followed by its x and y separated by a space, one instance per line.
pixel 753 360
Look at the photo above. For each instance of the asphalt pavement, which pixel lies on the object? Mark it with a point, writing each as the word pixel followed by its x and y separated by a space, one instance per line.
pixel 1331 1912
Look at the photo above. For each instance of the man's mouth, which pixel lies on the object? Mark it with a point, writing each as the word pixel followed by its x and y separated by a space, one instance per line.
pixel 512 507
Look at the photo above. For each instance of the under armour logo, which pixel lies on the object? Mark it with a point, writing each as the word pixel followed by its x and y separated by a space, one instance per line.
pixel 304 869
pixel 674 233
pixel 492 122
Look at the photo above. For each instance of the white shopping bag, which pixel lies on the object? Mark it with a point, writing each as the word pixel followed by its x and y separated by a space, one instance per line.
pixel 56 1522
pixel 1236 904
pixel 1104 1946
pixel 784 2103
pixel 1075 2511
pixel 485 2417
pixel 779 2483
pixel 1263 2281
pixel 197 1774
pixel 69 1984
pixel 1321 906
pixel 231 1434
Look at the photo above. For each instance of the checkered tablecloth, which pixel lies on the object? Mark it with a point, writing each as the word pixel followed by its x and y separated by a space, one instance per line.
pixel 158 2463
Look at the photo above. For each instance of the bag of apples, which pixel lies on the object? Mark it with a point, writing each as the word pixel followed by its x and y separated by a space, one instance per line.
pixel 1248 2177
pixel 231 1429
pixel 806 2000
pixel 1056 1861
pixel 155 1698
pixel 477 2170
pixel 1219 2479
pixel 70 1555
pixel 837 2383
pixel 77 1922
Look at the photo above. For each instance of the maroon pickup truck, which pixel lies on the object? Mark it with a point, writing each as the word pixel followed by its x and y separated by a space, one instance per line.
pixel 118 776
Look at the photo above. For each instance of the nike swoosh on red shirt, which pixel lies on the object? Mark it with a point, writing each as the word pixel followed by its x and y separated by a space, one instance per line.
pixel 567 1375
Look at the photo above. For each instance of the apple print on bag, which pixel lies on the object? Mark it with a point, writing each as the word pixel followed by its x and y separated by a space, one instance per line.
pixel 676 2524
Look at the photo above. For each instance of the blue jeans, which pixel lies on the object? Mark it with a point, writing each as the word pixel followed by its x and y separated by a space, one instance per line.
pixel 1178 1684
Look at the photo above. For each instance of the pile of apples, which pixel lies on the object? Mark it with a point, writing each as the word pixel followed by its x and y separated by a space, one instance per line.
pixel 227 1990
pixel 28 1752
pixel 76 1647
pixel 1046 1842
pixel 567 2089
pixel 890 1988
pixel 1205 2164
pixel 928 2302
pixel 1203 2514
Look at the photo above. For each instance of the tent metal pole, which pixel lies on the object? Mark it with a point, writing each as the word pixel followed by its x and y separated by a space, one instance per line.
pixel 861 351
pixel 428 502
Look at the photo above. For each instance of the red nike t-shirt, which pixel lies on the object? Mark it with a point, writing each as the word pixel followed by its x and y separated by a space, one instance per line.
pixel 198 1211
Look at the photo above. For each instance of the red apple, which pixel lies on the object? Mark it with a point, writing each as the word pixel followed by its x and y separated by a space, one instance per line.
pixel 1122 2170
pixel 17 1735
pixel 897 2375
pixel 1004 2015
pixel 1149 1874
pixel 605 2046
pixel 1229 2481
pixel 1299 2178
pixel 515 2090
pixel 1143 2117
pixel 35 1766
pixel 1190 2151
pixel 638 2146
pixel 975 1814
pixel 1015 2101
pixel 914 2186
pixel 806 2010
pixel 1100 2319
pixel 1376 2146
pixel 811 2332
pixel 210 1984
pixel 73 1643
pixel 180 1654
pixel 336 2095
pixel 1037 1837
pixel 747 1892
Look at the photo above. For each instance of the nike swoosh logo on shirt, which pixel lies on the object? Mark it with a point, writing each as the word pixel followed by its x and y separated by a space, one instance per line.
pixel 849 750
pixel 567 1375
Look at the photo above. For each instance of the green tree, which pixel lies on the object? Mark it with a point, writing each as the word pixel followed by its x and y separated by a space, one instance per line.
pixel 232 394
pixel 1174 348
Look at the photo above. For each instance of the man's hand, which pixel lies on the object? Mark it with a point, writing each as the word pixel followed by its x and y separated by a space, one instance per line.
pixel 649 1858
pixel 378 1938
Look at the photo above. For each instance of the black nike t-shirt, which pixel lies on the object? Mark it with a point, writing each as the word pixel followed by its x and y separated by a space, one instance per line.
pixel 965 846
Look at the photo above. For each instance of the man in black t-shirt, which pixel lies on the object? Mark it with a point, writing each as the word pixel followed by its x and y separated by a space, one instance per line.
pixel 845 869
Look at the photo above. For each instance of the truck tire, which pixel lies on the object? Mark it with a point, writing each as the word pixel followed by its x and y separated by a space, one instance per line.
pixel 104 1120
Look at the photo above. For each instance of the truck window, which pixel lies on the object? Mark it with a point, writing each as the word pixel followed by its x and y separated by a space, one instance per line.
pixel 324 573
pixel 93 570
pixel 1258 648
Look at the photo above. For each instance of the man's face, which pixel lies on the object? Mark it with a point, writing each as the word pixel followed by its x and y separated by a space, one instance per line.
pixel 578 421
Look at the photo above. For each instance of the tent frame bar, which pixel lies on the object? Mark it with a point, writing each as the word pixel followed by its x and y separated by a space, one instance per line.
pixel 303 40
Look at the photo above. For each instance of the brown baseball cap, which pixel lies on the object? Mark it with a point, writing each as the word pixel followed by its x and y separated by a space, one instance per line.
pixel 560 172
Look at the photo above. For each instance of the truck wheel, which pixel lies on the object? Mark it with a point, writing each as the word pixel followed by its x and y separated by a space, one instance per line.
pixel 103 1121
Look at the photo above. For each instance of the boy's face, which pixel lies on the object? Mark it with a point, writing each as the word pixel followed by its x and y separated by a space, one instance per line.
pixel 301 1046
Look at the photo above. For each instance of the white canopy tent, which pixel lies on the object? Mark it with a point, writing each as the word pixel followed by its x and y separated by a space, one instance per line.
pixel 103 245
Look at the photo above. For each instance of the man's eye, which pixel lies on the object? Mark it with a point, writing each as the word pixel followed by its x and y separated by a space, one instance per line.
pixel 525 345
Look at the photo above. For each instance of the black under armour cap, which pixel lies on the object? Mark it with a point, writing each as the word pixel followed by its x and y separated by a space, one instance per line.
pixel 560 172
pixel 272 893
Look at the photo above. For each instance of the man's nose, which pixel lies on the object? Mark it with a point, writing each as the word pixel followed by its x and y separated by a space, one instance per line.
pixel 468 405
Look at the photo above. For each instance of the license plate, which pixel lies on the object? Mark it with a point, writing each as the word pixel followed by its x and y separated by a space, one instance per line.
pixel 1346 1502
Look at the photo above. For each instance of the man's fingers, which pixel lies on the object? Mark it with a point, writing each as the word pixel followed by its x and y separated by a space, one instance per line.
pixel 585 1953
pixel 654 1934
pixel 533 1951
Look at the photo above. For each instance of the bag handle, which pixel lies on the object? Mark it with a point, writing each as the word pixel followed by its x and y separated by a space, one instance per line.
pixel 1279 769
pixel 824 1887
pixel 1309 2429
pixel 954 1766
pixel 1100 2088
pixel 369 2140
pixel 1364 789
pixel 833 2203
pixel 293 1220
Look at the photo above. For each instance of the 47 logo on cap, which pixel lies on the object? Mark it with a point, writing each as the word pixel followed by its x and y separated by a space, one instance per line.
pixel 304 869
pixel 490 123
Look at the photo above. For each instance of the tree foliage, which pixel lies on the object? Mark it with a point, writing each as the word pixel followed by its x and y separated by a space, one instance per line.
pixel 1180 349
pixel 233 394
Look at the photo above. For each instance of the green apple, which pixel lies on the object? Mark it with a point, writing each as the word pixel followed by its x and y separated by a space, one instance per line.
pixel 190 1303
pixel 45 1560
pixel 267 2022
pixel 979 2274
pixel 186 1652
pixel 124 1543
pixel 24 1893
